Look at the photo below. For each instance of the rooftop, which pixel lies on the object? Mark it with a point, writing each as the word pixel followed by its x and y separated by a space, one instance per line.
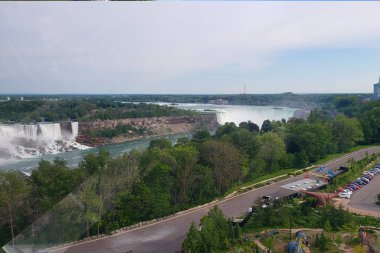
pixel 305 184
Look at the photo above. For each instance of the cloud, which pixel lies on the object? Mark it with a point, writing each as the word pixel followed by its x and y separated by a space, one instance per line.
pixel 78 46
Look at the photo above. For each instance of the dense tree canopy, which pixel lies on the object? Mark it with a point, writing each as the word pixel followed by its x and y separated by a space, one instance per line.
pixel 50 110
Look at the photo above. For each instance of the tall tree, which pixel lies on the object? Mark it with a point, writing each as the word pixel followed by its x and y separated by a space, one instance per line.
pixel 13 190
pixel 184 171
pixel 91 203
pixel 267 126
pixel 193 242
pixel 272 150
pixel 224 158
pixel 346 132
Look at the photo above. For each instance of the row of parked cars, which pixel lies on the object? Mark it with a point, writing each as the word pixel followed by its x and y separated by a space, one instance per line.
pixel 360 182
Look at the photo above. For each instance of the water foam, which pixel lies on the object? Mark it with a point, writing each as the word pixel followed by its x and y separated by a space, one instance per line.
pixel 18 141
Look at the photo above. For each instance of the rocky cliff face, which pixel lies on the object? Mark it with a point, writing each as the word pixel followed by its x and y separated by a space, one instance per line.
pixel 155 126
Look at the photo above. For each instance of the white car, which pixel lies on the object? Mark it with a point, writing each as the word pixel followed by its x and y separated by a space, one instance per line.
pixel 369 173
pixel 344 195
pixel 347 191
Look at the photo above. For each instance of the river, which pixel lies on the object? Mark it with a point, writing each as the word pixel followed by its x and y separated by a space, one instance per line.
pixel 225 113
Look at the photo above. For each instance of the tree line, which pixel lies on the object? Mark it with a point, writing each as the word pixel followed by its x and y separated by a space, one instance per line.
pixel 80 109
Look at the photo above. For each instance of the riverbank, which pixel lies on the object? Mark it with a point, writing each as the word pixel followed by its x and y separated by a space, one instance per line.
pixel 101 132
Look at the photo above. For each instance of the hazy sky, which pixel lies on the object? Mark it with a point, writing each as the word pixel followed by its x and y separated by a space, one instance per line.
pixel 189 47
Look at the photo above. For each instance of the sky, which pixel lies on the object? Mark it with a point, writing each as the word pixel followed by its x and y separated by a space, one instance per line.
pixel 189 47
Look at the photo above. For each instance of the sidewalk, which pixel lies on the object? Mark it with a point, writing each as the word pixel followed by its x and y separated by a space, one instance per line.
pixel 344 203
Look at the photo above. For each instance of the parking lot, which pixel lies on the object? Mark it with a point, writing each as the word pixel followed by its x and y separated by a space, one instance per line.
pixel 364 199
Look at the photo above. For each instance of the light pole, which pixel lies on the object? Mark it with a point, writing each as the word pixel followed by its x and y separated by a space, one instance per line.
pixel 290 221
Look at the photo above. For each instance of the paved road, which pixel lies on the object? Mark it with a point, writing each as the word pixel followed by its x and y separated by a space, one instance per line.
pixel 167 236
pixel 364 200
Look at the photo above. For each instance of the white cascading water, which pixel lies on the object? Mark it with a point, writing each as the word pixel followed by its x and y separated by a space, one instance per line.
pixel 74 129
pixel 23 141
pixel 50 132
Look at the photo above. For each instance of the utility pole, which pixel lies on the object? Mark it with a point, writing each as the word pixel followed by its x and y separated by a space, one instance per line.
pixel 290 222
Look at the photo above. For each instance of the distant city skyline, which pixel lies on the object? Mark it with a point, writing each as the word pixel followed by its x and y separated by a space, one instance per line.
pixel 189 47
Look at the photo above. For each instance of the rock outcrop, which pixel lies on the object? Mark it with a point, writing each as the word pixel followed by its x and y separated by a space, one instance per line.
pixel 155 126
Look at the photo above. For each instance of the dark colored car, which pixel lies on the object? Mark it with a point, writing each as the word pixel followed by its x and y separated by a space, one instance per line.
pixel 355 186
pixel 360 182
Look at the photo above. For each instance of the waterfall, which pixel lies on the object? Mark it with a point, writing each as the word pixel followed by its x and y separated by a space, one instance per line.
pixel 23 141
pixel 18 130
pixel 50 132
pixel 74 129
pixel 221 116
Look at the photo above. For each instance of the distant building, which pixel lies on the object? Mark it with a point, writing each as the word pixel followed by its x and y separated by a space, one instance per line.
pixel 22 98
pixel 376 90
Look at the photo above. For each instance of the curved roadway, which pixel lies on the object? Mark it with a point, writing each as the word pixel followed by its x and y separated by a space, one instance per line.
pixel 167 236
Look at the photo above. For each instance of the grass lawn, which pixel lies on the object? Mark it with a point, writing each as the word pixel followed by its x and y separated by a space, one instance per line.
pixel 337 155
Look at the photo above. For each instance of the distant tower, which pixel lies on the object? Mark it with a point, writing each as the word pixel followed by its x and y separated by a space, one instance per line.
pixel 22 98
pixel 244 90
pixel 376 90
pixel 8 98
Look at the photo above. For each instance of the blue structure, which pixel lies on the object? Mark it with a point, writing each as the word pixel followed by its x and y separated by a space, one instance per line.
pixel 329 173
pixel 296 247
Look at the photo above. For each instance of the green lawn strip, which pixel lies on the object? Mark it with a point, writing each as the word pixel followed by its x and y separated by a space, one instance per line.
pixel 337 155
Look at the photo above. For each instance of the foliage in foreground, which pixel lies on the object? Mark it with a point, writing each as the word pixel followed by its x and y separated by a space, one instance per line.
pixel 302 213
pixel 305 214
pixel 216 234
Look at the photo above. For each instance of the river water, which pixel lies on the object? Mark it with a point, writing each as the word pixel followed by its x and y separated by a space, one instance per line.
pixel 225 113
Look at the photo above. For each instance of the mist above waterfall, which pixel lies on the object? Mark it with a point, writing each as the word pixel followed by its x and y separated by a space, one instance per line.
pixel 240 113
pixel 19 141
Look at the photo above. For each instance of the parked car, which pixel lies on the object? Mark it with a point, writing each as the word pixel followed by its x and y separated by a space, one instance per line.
pixel 351 188
pixel 347 191
pixel 368 173
pixel 361 182
pixel 365 179
pixel 355 186
pixel 344 195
